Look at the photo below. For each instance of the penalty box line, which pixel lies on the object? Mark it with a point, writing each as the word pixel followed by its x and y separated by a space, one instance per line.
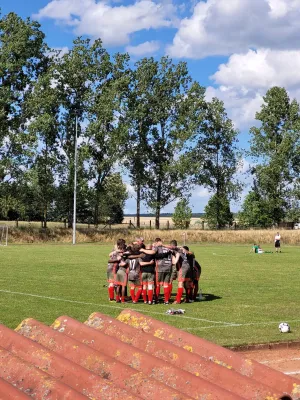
pixel 114 307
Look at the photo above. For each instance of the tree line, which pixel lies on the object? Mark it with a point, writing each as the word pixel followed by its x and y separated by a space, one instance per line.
pixel 148 120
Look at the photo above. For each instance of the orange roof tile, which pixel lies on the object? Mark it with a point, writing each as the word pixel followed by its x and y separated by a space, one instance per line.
pixel 131 357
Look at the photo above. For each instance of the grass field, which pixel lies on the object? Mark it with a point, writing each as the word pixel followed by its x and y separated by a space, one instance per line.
pixel 246 295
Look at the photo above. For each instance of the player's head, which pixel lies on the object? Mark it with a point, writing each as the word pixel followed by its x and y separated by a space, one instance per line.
pixel 186 248
pixel 173 243
pixel 139 240
pixel 121 242
pixel 158 241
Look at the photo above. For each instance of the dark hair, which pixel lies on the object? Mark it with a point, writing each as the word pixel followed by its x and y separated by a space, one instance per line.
pixel 120 242
pixel 186 248
pixel 173 243
pixel 157 240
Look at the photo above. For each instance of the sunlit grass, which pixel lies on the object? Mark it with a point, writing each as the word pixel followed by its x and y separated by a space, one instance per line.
pixel 245 295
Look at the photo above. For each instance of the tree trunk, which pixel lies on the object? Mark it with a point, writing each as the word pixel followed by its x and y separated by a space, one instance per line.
pixel 158 203
pixel 138 206
pixel 157 215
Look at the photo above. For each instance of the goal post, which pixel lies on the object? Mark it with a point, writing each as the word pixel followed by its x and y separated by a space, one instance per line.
pixel 3 235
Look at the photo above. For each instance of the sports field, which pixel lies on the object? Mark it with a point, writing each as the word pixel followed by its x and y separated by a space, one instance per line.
pixel 246 295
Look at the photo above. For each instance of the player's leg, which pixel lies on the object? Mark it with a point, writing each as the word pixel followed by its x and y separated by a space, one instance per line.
pixel 150 290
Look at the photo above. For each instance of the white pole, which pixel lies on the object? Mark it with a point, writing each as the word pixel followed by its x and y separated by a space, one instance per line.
pixel 75 183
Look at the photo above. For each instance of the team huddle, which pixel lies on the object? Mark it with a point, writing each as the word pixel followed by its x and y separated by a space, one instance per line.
pixel 147 269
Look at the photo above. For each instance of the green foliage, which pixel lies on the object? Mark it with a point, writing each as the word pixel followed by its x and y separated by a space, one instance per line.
pixel 182 214
pixel 166 94
pixel 113 200
pixel 217 212
pixel 214 157
pixel 255 211
pixel 275 146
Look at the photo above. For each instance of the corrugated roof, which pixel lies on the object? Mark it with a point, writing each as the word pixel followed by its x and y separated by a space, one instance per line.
pixel 131 357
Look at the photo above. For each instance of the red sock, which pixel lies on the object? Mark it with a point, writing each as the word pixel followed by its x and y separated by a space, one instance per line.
pixel 144 294
pixel 118 298
pixel 111 292
pixel 132 294
pixel 150 295
pixel 138 294
pixel 167 293
pixel 179 295
pixel 170 289
pixel 157 291
pixel 123 299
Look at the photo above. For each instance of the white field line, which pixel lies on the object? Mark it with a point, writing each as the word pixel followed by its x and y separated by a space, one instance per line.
pixel 228 325
pixel 147 311
pixel 280 360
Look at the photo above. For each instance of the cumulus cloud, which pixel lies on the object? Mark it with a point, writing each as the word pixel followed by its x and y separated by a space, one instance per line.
pixel 112 23
pixel 146 48
pixel 241 103
pixel 222 27
pixel 261 69
pixel 242 82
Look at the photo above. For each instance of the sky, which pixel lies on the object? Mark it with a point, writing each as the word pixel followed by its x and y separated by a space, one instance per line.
pixel 237 49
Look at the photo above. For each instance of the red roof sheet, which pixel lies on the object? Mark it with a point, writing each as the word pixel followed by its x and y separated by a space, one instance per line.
pixel 131 357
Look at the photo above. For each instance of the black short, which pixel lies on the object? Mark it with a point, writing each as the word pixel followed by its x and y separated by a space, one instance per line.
pixel 277 243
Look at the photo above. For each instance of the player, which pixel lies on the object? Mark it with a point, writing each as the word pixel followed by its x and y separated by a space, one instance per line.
pixel 112 267
pixel 121 275
pixel 147 264
pixel 196 278
pixel 163 257
pixel 277 242
pixel 134 272
pixel 185 259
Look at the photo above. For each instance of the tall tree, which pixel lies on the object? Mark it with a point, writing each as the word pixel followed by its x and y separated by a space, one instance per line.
pixel 138 122
pixel 215 158
pixel 43 105
pixel 22 49
pixel 275 148
pixel 105 133
pixel 167 93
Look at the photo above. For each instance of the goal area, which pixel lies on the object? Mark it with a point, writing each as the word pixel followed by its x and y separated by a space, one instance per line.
pixel 3 235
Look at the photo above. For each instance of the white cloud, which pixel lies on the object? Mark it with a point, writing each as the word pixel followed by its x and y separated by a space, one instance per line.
pixel 222 27
pixel 241 103
pixel 146 48
pixel 113 24
pixel 261 69
pixel 243 81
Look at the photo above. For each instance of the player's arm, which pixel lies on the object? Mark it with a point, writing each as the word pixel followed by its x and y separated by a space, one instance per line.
pixel 144 263
pixel 151 252
pixel 134 256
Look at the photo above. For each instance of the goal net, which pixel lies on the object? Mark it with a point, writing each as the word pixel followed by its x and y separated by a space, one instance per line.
pixel 3 235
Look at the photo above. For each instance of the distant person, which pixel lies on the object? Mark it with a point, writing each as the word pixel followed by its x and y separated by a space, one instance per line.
pixel 255 248
pixel 277 242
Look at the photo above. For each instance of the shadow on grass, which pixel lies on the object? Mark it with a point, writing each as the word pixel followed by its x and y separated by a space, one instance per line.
pixel 210 297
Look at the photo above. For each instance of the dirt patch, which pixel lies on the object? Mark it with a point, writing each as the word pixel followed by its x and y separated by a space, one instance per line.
pixel 284 357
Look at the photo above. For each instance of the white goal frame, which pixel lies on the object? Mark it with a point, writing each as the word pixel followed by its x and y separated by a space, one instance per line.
pixel 3 235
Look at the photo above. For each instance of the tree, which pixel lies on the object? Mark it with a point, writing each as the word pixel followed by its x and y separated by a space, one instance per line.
pixel 275 148
pixel 22 50
pixel 215 160
pixel 167 92
pixel 217 212
pixel 255 211
pixel 43 104
pixel 182 214
pixel 113 199
pixel 138 122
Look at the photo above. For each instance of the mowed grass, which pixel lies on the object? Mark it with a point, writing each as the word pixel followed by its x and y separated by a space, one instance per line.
pixel 246 295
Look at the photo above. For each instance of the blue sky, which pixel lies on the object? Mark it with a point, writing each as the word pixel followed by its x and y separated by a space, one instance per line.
pixel 238 49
